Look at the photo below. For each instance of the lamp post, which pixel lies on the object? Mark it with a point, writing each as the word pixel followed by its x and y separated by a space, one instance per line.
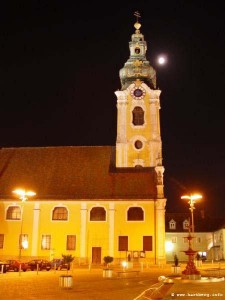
pixel 23 196
pixel 192 200
pixel 190 271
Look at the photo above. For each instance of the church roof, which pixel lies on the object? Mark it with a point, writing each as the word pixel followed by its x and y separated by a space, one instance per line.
pixel 72 172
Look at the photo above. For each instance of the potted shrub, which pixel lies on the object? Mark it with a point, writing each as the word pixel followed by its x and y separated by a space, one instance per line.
pixel 67 259
pixel 66 281
pixel 176 266
pixel 107 271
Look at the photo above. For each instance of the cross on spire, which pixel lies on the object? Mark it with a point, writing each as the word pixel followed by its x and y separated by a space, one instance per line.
pixel 137 15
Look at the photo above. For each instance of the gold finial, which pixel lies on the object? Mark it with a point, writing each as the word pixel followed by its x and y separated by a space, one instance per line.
pixel 137 25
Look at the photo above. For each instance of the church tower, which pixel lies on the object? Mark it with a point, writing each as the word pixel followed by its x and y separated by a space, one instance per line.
pixel 138 141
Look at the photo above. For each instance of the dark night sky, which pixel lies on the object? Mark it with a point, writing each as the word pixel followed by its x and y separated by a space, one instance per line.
pixel 59 69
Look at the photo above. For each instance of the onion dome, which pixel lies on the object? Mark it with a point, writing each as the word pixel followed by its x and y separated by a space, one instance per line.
pixel 137 66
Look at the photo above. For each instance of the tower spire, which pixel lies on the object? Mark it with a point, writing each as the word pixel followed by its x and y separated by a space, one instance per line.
pixel 137 15
pixel 137 66
pixel 137 25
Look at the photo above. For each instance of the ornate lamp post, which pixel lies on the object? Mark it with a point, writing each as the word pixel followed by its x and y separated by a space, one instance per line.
pixel 23 196
pixel 191 272
pixel 192 200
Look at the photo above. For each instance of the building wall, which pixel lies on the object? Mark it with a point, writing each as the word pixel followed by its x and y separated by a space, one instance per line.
pixel 180 244
pixel 216 249
pixel 37 221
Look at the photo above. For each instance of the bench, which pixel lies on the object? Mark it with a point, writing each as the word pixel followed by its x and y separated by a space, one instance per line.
pixel 136 272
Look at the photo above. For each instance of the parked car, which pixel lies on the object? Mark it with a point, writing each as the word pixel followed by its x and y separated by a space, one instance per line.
pixel 3 266
pixel 15 265
pixel 39 264
pixel 58 264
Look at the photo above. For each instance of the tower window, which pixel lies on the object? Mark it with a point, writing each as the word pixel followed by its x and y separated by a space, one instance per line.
pixel 137 50
pixel 138 116
pixel 138 144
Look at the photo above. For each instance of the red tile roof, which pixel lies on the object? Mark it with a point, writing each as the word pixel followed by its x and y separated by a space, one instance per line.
pixel 72 172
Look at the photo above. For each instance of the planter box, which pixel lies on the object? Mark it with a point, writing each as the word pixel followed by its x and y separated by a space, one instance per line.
pixel 107 273
pixel 66 281
pixel 176 270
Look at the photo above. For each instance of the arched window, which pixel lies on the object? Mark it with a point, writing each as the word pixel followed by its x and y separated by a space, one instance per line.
pixel 60 214
pixel 97 214
pixel 13 213
pixel 135 214
pixel 138 116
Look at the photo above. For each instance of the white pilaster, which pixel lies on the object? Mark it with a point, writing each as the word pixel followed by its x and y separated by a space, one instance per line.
pixel 121 140
pixel 83 229
pixel 35 231
pixel 160 187
pixel 160 230
pixel 111 228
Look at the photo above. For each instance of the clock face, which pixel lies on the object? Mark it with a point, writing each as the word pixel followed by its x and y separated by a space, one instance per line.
pixel 138 93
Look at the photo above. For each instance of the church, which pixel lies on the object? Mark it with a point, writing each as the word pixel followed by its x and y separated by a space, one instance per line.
pixel 92 201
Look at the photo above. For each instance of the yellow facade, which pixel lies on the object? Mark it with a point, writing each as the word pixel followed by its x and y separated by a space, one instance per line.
pixel 97 233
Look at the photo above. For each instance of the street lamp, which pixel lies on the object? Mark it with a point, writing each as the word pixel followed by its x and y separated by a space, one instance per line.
pixel 23 196
pixel 192 200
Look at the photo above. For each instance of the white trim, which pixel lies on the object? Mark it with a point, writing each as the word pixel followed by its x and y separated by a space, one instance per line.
pixel 35 230
pixel 111 228
pixel 83 228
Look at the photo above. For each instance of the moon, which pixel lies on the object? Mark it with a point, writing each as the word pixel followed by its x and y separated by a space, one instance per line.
pixel 161 60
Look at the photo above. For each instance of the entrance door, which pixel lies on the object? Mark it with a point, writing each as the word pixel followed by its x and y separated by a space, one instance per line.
pixel 96 255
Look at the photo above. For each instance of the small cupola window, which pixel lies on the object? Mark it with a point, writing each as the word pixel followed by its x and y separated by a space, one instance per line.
pixel 137 50
pixel 186 225
pixel 172 224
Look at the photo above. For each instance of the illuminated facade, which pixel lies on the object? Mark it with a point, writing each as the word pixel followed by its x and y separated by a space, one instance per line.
pixel 209 236
pixel 93 201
